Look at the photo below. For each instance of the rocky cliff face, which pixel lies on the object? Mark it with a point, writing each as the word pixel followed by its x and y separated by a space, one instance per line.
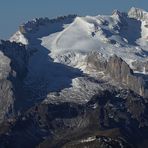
pixel 119 71
pixel 13 69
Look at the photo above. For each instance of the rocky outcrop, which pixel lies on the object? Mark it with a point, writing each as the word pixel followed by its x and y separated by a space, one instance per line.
pixel 13 68
pixel 96 61
pixel 18 55
pixel 141 66
pixel 120 71
pixel 122 18
pixel 7 99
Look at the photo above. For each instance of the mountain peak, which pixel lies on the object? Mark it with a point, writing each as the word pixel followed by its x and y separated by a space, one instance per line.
pixel 117 12
pixel 138 13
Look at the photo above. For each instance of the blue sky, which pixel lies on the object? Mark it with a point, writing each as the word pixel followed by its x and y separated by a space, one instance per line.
pixel 15 12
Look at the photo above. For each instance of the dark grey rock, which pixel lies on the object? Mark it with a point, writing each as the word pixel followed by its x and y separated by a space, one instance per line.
pixel 118 69
pixel 13 69
pixel 96 61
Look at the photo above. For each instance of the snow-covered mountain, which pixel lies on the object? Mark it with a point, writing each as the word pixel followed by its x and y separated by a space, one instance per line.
pixel 122 34
pixel 72 39
pixel 66 71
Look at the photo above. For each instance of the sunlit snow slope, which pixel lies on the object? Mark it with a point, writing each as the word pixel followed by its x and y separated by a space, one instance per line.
pixel 123 34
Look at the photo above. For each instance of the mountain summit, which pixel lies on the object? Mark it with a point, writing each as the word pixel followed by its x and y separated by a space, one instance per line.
pixel 138 14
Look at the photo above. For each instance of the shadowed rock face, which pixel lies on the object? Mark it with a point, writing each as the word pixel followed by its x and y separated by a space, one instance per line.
pixel 12 69
pixel 105 118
